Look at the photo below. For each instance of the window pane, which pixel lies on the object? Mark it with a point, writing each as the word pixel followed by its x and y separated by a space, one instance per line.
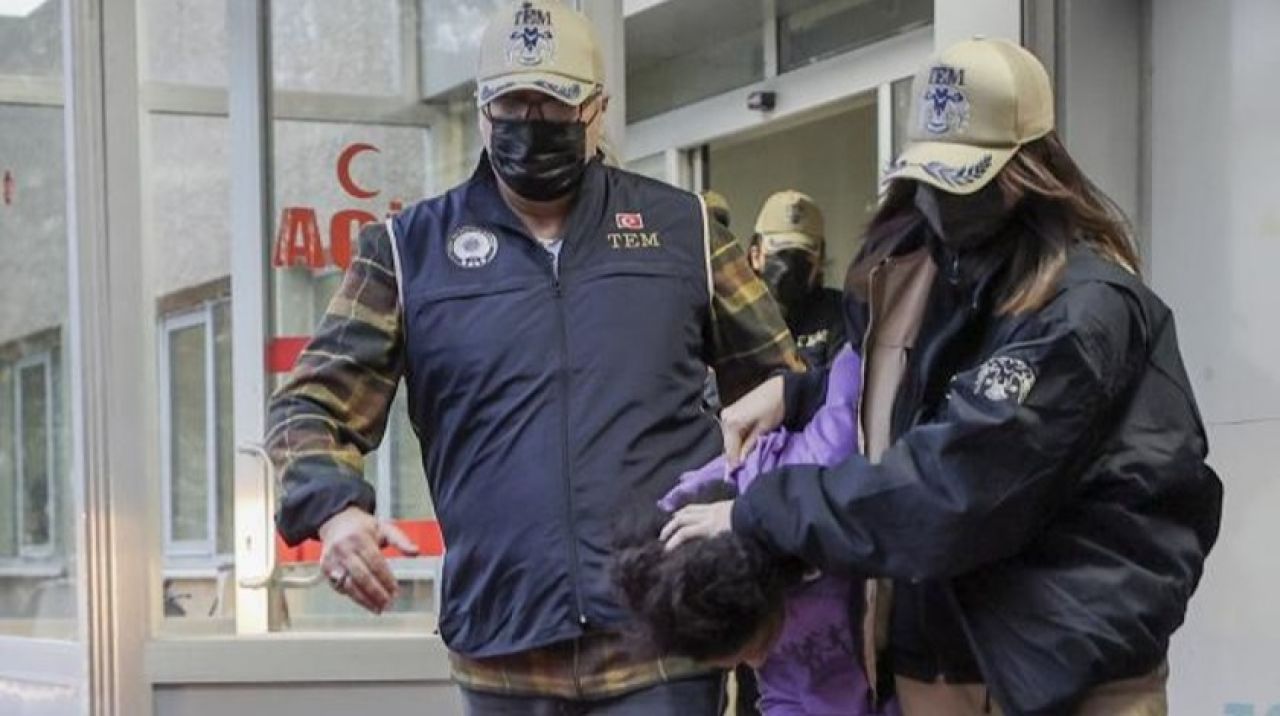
pixel 34 463
pixel 188 435
pixel 681 52
pixel 31 44
pixel 187 214
pixel 225 434
pixel 8 466
pixel 188 207
pixel 38 586
pixel 185 41
pixel 901 91
pixel 813 30
pixel 32 206
pixel 450 32
pixel 322 46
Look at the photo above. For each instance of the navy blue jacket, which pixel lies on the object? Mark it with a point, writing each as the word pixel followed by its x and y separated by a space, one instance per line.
pixel 1046 485
pixel 551 398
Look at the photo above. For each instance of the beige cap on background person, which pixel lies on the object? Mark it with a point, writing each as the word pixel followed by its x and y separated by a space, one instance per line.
pixel 541 45
pixel 972 107
pixel 791 220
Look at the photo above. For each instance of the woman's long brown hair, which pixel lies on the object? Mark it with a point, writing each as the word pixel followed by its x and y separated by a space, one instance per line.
pixel 1057 207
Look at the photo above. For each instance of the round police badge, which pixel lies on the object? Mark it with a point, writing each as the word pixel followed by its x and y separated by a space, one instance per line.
pixel 471 248
pixel 1005 378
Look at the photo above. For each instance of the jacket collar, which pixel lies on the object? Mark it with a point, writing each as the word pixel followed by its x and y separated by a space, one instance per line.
pixel 977 273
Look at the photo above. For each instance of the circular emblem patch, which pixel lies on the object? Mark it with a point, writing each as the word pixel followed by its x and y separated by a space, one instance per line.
pixel 471 248
pixel 1004 378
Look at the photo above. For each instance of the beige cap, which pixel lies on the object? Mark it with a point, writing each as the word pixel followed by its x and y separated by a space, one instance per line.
pixel 972 107
pixel 540 45
pixel 791 220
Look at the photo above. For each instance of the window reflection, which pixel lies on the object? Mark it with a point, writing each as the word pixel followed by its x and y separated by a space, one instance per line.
pixel 37 543
pixel 31 41
pixel 813 30
pixel 450 32
pixel 337 47
pixel 681 52
pixel 185 41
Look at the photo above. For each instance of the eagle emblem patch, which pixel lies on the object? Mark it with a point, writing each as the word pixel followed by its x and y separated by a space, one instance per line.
pixel 1004 378
pixel 532 41
pixel 944 107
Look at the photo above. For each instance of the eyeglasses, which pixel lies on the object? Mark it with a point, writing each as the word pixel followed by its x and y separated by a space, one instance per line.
pixel 520 106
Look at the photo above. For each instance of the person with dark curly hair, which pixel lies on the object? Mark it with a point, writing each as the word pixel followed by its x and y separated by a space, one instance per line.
pixel 719 600
pixel 728 601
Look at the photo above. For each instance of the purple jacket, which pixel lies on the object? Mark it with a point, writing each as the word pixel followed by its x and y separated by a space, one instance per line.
pixel 814 668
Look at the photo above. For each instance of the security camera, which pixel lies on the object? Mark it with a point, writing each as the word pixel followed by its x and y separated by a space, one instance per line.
pixel 762 101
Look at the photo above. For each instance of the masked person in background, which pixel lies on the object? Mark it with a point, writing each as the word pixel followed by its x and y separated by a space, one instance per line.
pixel 553 320
pixel 787 250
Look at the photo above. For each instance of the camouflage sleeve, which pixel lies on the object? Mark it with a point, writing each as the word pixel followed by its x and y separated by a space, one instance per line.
pixel 748 338
pixel 333 409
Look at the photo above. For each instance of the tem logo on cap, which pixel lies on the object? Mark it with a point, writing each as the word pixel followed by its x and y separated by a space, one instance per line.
pixel 795 213
pixel 944 107
pixel 532 41
pixel 472 248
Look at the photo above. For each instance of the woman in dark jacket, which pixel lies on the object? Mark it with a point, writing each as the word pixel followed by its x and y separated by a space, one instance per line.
pixel 1032 473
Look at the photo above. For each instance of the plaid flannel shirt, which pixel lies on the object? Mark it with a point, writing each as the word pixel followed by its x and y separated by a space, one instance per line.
pixel 334 408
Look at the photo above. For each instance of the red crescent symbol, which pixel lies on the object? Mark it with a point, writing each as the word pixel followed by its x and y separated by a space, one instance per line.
pixel 344 170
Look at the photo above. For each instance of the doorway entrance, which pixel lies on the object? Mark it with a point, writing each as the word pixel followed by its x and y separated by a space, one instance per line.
pixel 832 155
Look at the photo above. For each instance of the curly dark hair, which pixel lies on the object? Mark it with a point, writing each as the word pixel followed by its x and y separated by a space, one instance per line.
pixel 708 598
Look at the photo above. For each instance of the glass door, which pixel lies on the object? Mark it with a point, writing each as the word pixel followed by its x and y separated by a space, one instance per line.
pixel 831 155
pixel 42 656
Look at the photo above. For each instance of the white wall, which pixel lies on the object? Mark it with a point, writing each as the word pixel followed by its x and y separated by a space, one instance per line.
pixel 956 20
pixel 1100 70
pixel 1215 243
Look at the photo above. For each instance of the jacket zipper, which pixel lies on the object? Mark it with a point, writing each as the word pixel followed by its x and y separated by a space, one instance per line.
pixel 873 665
pixel 557 290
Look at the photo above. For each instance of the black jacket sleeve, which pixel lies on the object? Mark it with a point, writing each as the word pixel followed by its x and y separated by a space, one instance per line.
pixel 802 395
pixel 975 484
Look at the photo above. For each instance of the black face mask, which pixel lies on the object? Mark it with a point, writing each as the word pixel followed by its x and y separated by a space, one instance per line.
pixel 540 161
pixel 789 276
pixel 963 222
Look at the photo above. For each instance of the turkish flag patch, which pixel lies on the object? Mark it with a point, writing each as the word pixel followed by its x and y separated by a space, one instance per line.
pixel 634 222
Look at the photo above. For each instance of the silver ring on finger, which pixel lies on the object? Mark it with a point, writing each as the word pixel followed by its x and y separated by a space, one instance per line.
pixel 338 580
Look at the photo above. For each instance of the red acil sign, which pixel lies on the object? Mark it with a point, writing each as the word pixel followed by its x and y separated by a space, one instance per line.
pixel 298 240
